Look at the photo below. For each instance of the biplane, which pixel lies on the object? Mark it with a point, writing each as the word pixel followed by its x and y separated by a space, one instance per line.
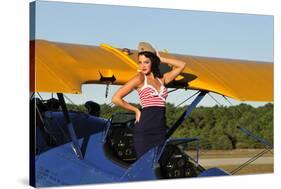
pixel 69 148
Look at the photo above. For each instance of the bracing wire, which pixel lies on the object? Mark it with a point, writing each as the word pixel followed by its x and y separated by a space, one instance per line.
pixel 234 171
pixel 214 99
pixel 172 90
pixel 228 101
pixel 69 99
pixel 39 96
pixel 32 95
pixel 187 99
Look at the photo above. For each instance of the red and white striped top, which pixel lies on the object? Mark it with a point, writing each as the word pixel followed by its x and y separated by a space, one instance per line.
pixel 149 96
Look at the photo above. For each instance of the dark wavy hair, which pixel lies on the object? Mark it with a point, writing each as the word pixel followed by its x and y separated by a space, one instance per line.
pixel 155 62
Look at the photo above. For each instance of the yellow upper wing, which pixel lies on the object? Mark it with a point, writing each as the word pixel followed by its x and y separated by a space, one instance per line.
pixel 61 67
pixel 239 79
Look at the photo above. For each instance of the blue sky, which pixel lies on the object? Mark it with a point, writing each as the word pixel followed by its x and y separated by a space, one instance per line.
pixel 200 33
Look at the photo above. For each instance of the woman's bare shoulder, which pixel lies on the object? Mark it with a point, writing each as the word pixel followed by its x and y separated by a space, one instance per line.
pixel 138 80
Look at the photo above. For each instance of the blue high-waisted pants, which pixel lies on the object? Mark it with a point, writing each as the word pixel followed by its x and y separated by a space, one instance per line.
pixel 150 131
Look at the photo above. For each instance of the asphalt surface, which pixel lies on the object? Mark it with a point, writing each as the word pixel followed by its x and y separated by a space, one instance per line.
pixel 233 161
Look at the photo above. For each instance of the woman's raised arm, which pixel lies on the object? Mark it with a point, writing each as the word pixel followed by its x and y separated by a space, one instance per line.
pixel 178 67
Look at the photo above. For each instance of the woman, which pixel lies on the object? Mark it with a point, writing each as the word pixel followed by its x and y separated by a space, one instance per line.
pixel 150 124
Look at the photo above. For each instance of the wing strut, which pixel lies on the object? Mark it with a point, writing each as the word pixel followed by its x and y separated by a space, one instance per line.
pixel 268 146
pixel 188 110
pixel 75 145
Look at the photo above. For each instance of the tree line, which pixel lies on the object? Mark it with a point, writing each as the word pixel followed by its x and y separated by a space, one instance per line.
pixel 216 127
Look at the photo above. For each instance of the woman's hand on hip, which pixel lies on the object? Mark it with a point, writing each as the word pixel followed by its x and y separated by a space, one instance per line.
pixel 138 115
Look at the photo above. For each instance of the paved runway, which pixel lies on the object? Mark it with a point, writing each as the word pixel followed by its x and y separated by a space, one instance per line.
pixel 233 161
